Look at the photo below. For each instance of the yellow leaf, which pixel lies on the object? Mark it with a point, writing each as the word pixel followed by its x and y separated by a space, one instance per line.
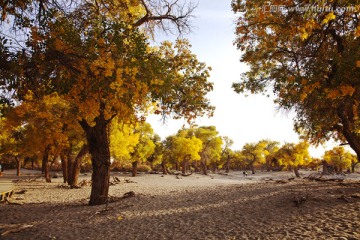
pixel 119 218
pixel 358 64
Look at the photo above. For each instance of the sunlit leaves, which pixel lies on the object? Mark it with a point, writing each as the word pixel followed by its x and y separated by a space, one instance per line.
pixel 339 158
pixel 308 58
pixel 293 155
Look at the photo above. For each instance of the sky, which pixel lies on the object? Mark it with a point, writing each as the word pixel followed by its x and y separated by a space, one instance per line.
pixel 243 119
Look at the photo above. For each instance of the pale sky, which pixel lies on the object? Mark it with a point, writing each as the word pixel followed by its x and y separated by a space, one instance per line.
pixel 243 119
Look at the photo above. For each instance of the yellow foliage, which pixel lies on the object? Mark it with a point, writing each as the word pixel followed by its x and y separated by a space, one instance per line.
pixel 358 64
pixel 330 16
pixel 347 90
pixel 357 32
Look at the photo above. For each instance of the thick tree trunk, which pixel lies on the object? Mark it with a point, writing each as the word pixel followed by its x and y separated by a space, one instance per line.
pixel 45 163
pixel 296 171
pixel 134 168
pixel 325 168
pixel 252 169
pixel 348 128
pixel 18 165
pixel 98 142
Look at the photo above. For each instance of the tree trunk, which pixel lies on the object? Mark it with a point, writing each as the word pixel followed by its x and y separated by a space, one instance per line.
pixel 252 169
pixel 98 142
pixel 45 164
pixel 75 168
pixel 64 166
pixel 184 166
pixel 134 168
pixel 227 164
pixel 203 167
pixel 353 167
pixel 164 168
pixel 296 171
pixel 18 165
pixel 325 168
pixel 348 128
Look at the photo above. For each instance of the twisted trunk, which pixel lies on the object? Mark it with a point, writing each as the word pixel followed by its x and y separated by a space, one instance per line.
pixel 75 171
pixel 98 142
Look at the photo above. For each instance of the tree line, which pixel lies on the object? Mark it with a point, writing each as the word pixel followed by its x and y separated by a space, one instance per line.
pixel 195 149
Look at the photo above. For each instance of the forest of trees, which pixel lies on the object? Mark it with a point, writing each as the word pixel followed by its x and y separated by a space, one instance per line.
pixel 79 78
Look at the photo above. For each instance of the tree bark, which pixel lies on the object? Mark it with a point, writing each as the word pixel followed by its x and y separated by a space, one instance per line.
pixel 325 168
pixel 296 171
pixel 64 166
pixel 252 169
pixel 227 164
pixel 164 168
pixel 75 168
pixel 203 166
pixel 348 130
pixel 353 167
pixel 134 169
pixel 45 164
pixel 98 142
pixel 18 165
pixel 184 166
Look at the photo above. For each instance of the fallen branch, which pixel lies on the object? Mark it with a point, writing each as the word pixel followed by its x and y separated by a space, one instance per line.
pixel 14 230
pixel 129 194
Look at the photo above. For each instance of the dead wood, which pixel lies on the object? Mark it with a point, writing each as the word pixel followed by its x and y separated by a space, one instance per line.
pixel 17 229
pixel 129 194
pixel 281 181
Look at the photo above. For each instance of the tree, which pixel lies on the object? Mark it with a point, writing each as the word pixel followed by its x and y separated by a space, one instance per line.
pixel 186 148
pixel 339 158
pixel 254 153
pixel 123 140
pixel 271 148
pixel 145 146
pixel 294 156
pixel 308 53
pixel 43 127
pixel 211 146
pixel 227 154
pixel 157 157
pixel 95 57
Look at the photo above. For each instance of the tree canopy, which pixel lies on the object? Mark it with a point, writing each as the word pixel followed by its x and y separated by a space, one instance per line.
pixel 307 53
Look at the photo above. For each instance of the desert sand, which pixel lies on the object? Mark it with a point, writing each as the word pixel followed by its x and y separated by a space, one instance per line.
pixel 218 206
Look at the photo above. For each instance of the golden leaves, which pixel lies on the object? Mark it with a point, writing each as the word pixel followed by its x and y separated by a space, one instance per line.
pixel 358 63
pixel 357 32
pixel 344 90
pixel 330 16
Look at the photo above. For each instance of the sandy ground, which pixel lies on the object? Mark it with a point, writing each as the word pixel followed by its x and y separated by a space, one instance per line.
pixel 218 206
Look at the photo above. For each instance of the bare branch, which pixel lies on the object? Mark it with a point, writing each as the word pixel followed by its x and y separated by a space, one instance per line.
pixel 167 15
